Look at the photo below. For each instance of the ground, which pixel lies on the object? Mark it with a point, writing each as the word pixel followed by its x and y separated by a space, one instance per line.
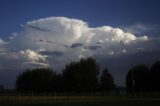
pixel 77 101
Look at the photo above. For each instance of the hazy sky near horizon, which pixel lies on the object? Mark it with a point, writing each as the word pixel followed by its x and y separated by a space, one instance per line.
pixel 51 33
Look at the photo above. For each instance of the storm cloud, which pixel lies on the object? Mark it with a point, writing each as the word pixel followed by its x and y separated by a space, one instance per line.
pixel 56 41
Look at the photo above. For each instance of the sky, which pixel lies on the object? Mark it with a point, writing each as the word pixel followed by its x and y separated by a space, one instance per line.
pixel 51 33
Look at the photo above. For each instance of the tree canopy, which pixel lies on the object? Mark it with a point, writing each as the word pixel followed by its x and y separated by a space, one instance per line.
pixel 81 76
pixel 106 81
pixel 36 80
pixel 141 79
pixel 155 76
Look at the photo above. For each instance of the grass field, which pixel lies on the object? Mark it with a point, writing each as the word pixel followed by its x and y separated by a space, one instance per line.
pixel 77 101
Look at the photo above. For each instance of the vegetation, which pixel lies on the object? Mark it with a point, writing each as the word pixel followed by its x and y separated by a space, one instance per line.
pixel 83 78
pixel 106 81
pixel 155 76
pixel 137 79
pixel 36 80
pixel 77 77
pixel 142 79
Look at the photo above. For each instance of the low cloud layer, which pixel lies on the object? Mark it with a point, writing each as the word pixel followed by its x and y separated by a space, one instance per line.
pixel 56 41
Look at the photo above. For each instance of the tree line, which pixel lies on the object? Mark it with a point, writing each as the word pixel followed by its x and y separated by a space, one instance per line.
pixel 77 77
pixel 84 77
pixel 143 79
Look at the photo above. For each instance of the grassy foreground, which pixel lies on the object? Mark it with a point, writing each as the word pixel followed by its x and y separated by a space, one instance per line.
pixel 77 101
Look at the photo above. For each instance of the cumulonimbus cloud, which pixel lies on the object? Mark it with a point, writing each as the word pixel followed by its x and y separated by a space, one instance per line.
pixel 55 41
pixel 60 33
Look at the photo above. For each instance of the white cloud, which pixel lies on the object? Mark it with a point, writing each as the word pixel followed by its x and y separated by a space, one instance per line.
pixel 81 56
pixel 111 53
pixel 55 41
pixel 33 57
pixel 59 34
pixel 142 38
pixel 61 29
pixel 124 51
pixel 1 41
pixel 55 32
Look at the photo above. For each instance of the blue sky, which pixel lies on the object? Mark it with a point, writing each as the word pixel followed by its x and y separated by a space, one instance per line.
pixel 51 33
pixel 96 12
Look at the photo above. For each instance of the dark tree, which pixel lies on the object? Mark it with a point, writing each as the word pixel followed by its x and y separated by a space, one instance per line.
pixel 130 81
pixel 89 71
pixel 36 80
pixel 155 76
pixel 81 76
pixel 137 79
pixel 70 77
pixel 106 81
pixel 58 83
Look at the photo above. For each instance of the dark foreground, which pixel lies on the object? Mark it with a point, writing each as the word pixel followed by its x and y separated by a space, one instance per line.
pixel 77 101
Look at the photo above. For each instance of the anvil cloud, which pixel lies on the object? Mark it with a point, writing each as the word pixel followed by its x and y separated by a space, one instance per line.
pixel 56 41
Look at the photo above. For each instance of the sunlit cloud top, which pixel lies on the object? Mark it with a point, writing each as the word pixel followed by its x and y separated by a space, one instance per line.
pixel 56 41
